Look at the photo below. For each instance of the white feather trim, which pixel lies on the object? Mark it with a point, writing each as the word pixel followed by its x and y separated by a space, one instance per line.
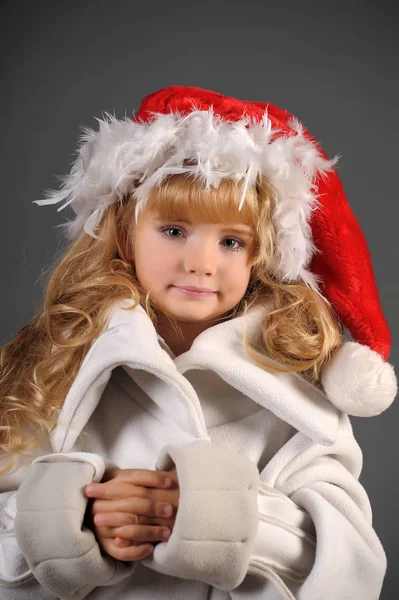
pixel 122 151
pixel 358 381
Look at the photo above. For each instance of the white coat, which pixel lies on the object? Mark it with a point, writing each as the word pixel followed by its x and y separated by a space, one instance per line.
pixel 270 507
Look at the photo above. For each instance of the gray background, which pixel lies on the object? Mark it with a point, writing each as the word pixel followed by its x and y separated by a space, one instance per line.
pixel 334 65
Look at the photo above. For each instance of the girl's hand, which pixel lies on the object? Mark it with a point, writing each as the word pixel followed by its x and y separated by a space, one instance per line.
pixel 129 511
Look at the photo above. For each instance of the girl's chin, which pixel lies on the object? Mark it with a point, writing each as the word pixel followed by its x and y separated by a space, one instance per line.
pixel 193 315
pixel 190 312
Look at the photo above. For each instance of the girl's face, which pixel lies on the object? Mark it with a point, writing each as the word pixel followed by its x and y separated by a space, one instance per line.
pixel 172 256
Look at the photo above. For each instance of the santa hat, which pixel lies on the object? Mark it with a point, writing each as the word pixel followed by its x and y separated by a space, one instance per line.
pixel 319 241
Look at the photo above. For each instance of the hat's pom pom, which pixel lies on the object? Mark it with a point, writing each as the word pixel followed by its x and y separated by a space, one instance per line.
pixel 358 381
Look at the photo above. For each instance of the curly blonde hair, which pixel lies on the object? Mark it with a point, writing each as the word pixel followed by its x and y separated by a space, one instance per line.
pixel 38 366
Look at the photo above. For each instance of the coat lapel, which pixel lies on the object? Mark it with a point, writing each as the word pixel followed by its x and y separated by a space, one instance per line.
pixel 287 395
pixel 130 339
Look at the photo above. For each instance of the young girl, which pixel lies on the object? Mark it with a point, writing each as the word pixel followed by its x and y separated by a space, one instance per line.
pixel 174 422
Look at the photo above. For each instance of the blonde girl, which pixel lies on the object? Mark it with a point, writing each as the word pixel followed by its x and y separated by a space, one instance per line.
pixel 174 421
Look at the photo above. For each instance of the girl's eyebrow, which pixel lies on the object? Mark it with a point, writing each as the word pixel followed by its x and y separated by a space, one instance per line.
pixel 247 232
pixel 239 229
pixel 171 219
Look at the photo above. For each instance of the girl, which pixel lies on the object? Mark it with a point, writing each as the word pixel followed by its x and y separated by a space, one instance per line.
pixel 175 420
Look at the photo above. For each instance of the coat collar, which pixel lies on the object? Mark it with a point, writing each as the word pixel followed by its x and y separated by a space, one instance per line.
pixel 288 395
pixel 130 339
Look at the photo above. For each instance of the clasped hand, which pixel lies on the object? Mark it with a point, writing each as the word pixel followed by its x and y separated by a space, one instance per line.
pixel 133 509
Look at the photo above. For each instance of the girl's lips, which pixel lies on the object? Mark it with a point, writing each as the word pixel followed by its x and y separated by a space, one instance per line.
pixel 194 293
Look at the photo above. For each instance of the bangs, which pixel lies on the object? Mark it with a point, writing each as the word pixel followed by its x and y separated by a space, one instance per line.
pixel 182 197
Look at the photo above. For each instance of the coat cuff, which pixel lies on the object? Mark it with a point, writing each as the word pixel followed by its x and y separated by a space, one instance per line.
pixel 217 517
pixel 285 544
pixel 14 570
pixel 62 553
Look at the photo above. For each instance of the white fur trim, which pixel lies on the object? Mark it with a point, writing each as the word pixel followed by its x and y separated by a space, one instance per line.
pixel 358 381
pixel 122 151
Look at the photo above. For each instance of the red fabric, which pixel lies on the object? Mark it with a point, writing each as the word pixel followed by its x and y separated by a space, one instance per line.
pixel 344 265
pixel 343 262
pixel 184 99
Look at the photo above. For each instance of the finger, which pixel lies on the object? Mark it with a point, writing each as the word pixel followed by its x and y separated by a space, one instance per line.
pixel 104 533
pixel 134 533
pixel 119 489
pixel 121 543
pixel 142 533
pixel 114 489
pixel 121 519
pixel 143 477
pixel 129 553
pixel 133 505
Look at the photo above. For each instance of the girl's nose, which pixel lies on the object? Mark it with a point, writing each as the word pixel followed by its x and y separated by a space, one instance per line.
pixel 200 259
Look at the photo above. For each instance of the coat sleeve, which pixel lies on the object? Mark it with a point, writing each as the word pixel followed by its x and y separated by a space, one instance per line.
pixel 13 567
pixel 46 549
pixel 16 578
pixel 301 530
pixel 217 516
pixel 315 537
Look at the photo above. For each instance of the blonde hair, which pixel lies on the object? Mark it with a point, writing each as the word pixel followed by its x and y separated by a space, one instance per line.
pixel 38 366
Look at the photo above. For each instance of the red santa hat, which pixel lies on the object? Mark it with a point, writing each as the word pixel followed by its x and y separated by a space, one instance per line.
pixel 319 241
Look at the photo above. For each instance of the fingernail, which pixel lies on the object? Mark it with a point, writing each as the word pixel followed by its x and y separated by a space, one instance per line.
pixel 91 489
pixel 167 481
pixel 100 519
pixel 166 534
pixel 166 510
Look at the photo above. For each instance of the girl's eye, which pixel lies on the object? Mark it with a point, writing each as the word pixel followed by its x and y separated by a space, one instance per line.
pixel 239 245
pixel 231 244
pixel 166 231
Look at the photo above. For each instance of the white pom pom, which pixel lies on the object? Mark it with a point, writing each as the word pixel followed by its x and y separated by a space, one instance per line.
pixel 358 381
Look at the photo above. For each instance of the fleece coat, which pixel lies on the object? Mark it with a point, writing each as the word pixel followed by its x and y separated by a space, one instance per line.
pixel 270 503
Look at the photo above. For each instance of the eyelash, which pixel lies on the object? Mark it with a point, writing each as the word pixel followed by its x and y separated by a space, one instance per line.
pixel 240 243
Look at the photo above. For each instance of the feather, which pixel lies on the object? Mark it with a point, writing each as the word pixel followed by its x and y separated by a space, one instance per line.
pixel 121 151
